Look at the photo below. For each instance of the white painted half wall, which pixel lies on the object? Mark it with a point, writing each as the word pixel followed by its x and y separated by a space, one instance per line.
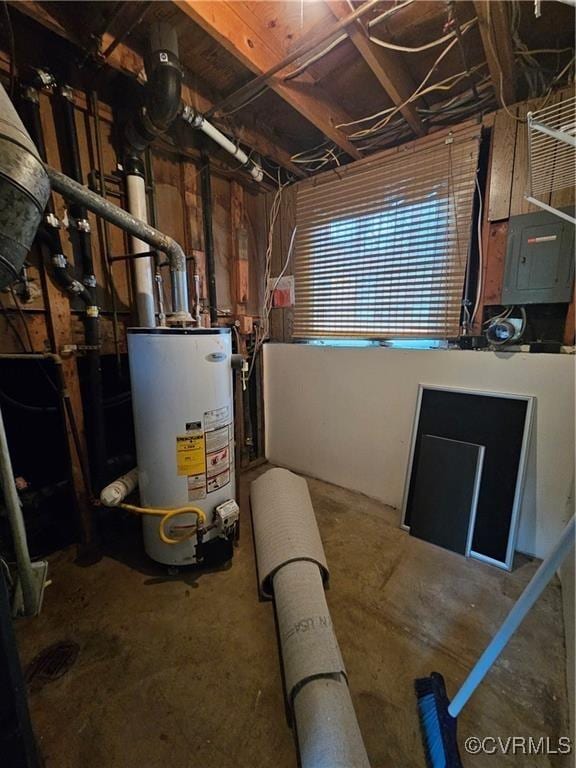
pixel 345 415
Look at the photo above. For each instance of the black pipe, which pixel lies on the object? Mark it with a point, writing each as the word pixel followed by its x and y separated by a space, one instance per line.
pixel 162 95
pixel 206 194
pixel 48 233
pixel 49 236
pixel 73 168
pixel 94 410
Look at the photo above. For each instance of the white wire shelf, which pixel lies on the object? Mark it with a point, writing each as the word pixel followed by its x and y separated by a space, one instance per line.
pixel 552 154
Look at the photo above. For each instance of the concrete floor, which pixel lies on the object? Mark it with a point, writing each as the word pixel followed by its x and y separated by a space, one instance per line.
pixel 184 671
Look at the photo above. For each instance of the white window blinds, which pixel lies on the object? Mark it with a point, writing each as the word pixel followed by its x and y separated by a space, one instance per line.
pixel 382 244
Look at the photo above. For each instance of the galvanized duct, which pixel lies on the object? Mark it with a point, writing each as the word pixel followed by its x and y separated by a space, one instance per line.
pixel 292 568
pixel 24 191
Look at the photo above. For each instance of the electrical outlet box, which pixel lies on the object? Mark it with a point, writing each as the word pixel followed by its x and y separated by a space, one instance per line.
pixel 539 267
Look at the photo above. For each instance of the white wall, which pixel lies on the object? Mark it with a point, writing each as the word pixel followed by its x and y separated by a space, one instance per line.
pixel 345 415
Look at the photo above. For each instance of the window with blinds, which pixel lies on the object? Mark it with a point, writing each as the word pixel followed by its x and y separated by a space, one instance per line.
pixel 382 244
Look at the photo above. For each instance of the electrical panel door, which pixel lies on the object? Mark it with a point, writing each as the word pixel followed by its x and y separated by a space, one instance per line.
pixel 539 265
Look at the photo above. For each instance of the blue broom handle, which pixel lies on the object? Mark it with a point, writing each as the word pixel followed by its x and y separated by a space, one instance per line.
pixel 532 592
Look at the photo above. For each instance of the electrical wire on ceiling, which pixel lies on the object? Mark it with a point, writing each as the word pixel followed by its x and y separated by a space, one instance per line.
pixel 340 39
pixel 387 114
pixel 532 70
pixel 500 90
pixel 328 152
pixel 455 101
pixel 389 12
pixel 315 163
pixel 382 43
pixel 385 130
pixel 386 126
pixel 421 90
pixel 406 49
pixel 245 103
pixel 298 71
pixel 396 131
pixel 469 102
pixel 247 91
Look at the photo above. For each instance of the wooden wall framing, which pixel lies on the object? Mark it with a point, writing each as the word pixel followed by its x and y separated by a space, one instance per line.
pixel 54 323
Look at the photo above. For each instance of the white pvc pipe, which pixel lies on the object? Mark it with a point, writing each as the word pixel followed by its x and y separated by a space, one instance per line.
pixel 16 520
pixel 532 592
pixel 200 122
pixel 116 492
pixel 217 136
pixel 143 278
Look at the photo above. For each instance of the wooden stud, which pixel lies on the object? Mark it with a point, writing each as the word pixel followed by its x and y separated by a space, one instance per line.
pixel 239 249
pixel 59 323
pixel 497 41
pixel 518 202
pixel 60 326
pixel 276 313
pixel 287 222
pixel 495 258
pixel 502 165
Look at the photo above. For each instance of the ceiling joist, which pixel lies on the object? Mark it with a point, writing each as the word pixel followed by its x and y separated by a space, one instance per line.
pixel 385 65
pixel 237 29
pixel 496 35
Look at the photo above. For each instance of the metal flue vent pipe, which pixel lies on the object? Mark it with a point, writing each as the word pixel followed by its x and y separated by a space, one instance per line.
pixel 292 568
pixel 71 190
pixel 24 191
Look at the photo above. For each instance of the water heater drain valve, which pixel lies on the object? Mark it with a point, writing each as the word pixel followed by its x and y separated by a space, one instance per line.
pixel 226 516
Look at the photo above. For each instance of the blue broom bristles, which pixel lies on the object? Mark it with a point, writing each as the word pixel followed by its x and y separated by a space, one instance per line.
pixel 438 726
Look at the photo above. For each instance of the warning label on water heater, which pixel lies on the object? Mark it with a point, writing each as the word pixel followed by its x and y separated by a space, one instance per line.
pixel 190 454
pixel 196 487
pixel 217 443
pixel 219 417
pixel 191 460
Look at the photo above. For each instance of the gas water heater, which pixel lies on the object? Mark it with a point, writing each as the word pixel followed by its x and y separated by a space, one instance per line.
pixel 183 420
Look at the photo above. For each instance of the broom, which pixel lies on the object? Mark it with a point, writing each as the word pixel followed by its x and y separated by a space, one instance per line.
pixel 438 715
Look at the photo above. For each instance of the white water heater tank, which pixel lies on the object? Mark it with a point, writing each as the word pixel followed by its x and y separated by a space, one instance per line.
pixel 183 419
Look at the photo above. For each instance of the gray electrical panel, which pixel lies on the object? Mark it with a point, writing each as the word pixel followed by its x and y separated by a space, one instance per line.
pixel 539 267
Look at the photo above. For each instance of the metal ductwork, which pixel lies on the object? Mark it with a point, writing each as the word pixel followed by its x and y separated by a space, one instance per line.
pixel 24 191
pixel 292 568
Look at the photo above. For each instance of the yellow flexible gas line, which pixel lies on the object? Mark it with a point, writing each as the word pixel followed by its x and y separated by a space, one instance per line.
pixel 167 515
